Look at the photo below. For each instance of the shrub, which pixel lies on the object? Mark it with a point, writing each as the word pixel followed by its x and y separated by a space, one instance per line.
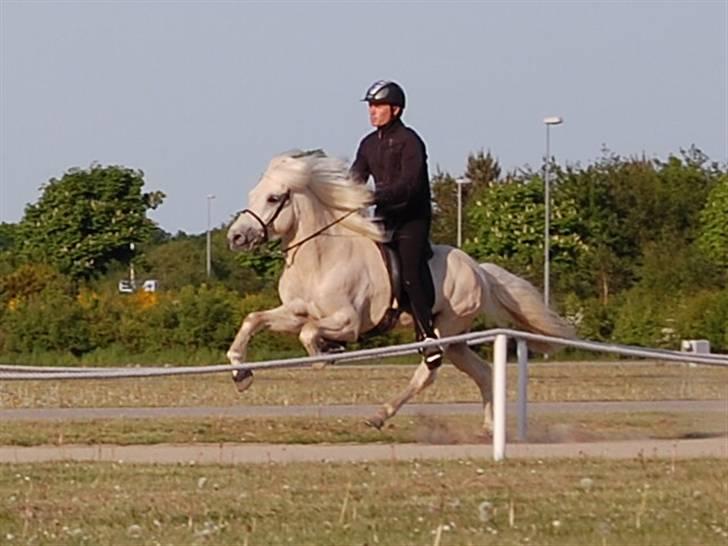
pixel 705 316
pixel 49 320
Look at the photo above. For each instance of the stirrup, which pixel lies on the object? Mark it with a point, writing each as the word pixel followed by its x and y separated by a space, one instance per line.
pixel 432 355
pixel 330 346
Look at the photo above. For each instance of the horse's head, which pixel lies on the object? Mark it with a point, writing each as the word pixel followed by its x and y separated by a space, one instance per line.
pixel 311 185
pixel 270 215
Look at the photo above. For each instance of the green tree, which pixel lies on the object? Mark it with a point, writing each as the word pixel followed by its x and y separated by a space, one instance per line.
pixel 181 261
pixel 482 169
pixel 88 219
pixel 8 236
pixel 8 241
pixel 713 238
pixel 602 268
pixel 444 218
pixel 507 227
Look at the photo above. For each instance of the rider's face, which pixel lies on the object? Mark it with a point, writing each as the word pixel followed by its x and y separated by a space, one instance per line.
pixel 381 114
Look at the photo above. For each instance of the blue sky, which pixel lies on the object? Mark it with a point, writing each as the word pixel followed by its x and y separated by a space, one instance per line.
pixel 200 95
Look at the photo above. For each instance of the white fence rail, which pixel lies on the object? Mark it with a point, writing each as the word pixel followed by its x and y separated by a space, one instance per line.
pixel 499 374
pixel 499 338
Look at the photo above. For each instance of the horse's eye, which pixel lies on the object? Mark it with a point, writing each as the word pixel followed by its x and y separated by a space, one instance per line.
pixel 273 198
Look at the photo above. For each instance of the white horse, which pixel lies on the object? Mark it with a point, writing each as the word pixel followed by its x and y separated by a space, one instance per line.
pixel 335 285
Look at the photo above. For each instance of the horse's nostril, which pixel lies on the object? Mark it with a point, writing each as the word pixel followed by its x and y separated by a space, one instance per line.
pixel 237 238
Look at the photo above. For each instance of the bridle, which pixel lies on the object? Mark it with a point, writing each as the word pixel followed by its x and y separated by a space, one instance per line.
pixel 283 202
pixel 266 225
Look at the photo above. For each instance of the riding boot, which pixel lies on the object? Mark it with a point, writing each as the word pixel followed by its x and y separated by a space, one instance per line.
pixel 422 314
pixel 413 250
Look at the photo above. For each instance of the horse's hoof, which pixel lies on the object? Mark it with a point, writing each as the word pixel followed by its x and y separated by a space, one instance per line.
pixel 243 379
pixel 376 422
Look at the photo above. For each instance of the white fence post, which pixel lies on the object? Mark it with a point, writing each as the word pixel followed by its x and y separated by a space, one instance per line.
pixel 500 353
pixel 522 352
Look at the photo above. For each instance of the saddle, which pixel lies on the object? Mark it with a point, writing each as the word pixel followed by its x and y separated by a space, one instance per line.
pixel 398 302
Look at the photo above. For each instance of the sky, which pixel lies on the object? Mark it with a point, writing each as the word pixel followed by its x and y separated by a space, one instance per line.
pixel 201 95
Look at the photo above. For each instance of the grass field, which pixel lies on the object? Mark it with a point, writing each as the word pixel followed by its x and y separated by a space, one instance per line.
pixel 466 502
pixel 567 381
pixel 425 429
pixel 463 502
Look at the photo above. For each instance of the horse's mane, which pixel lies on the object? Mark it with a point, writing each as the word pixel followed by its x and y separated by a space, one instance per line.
pixel 329 180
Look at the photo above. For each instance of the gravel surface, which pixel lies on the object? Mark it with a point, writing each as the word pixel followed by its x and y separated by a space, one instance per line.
pixel 355 410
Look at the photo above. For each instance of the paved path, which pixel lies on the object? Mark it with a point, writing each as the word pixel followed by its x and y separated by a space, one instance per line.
pixel 356 410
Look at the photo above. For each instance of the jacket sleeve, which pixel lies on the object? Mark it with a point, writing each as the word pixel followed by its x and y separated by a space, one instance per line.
pixel 397 193
pixel 360 170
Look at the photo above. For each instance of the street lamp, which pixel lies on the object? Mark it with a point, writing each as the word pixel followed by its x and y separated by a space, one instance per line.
pixel 549 121
pixel 460 182
pixel 210 197
pixel 132 280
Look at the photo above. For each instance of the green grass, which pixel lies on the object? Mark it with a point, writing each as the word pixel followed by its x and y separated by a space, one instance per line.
pixel 465 502
pixel 402 429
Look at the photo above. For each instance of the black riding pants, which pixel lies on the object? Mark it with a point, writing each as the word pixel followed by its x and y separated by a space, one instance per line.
pixel 410 240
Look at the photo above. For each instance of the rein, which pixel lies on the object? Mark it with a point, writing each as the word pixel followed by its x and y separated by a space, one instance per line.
pixel 318 232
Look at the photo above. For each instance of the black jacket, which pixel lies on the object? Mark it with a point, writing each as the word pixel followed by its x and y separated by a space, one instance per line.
pixel 397 159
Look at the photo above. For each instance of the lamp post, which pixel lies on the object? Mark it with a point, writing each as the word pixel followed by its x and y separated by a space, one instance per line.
pixel 549 121
pixel 210 197
pixel 132 279
pixel 460 182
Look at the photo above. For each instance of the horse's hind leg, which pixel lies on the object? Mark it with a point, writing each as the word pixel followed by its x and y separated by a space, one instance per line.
pixel 479 370
pixel 422 378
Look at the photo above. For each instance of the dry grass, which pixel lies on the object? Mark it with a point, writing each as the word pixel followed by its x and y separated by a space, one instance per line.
pixel 566 381
pixel 443 503
pixel 452 429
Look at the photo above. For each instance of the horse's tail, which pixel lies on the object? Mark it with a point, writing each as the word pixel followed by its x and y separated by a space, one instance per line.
pixel 509 298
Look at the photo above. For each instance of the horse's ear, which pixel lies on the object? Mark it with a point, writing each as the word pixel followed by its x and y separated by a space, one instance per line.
pixel 318 152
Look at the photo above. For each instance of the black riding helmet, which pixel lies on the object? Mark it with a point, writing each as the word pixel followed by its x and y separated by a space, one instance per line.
pixel 385 92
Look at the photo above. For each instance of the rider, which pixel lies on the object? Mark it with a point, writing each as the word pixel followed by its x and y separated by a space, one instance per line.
pixel 396 157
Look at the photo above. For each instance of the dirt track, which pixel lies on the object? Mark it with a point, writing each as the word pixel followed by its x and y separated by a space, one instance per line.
pixel 264 453
pixel 347 410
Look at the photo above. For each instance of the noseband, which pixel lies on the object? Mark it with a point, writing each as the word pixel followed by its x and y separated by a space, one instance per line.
pixel 266 225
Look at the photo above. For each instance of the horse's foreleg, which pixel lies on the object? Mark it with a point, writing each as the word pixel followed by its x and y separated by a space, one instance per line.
pixel 280 319
pixel 479 370
pixel 422 378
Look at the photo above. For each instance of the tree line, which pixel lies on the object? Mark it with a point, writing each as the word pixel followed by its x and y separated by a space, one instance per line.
pixel 639 255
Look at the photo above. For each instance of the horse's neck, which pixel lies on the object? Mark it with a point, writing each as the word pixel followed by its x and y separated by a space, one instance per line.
pixel 325 248
pixel 337 267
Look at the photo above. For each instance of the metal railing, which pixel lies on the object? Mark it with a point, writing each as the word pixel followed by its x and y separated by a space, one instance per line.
pixel 499 338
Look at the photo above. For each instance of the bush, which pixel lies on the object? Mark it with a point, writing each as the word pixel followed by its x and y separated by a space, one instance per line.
pixel 49 320
pixel 593 319
pixel 705 316
pixel 642 319
pixel 207 317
